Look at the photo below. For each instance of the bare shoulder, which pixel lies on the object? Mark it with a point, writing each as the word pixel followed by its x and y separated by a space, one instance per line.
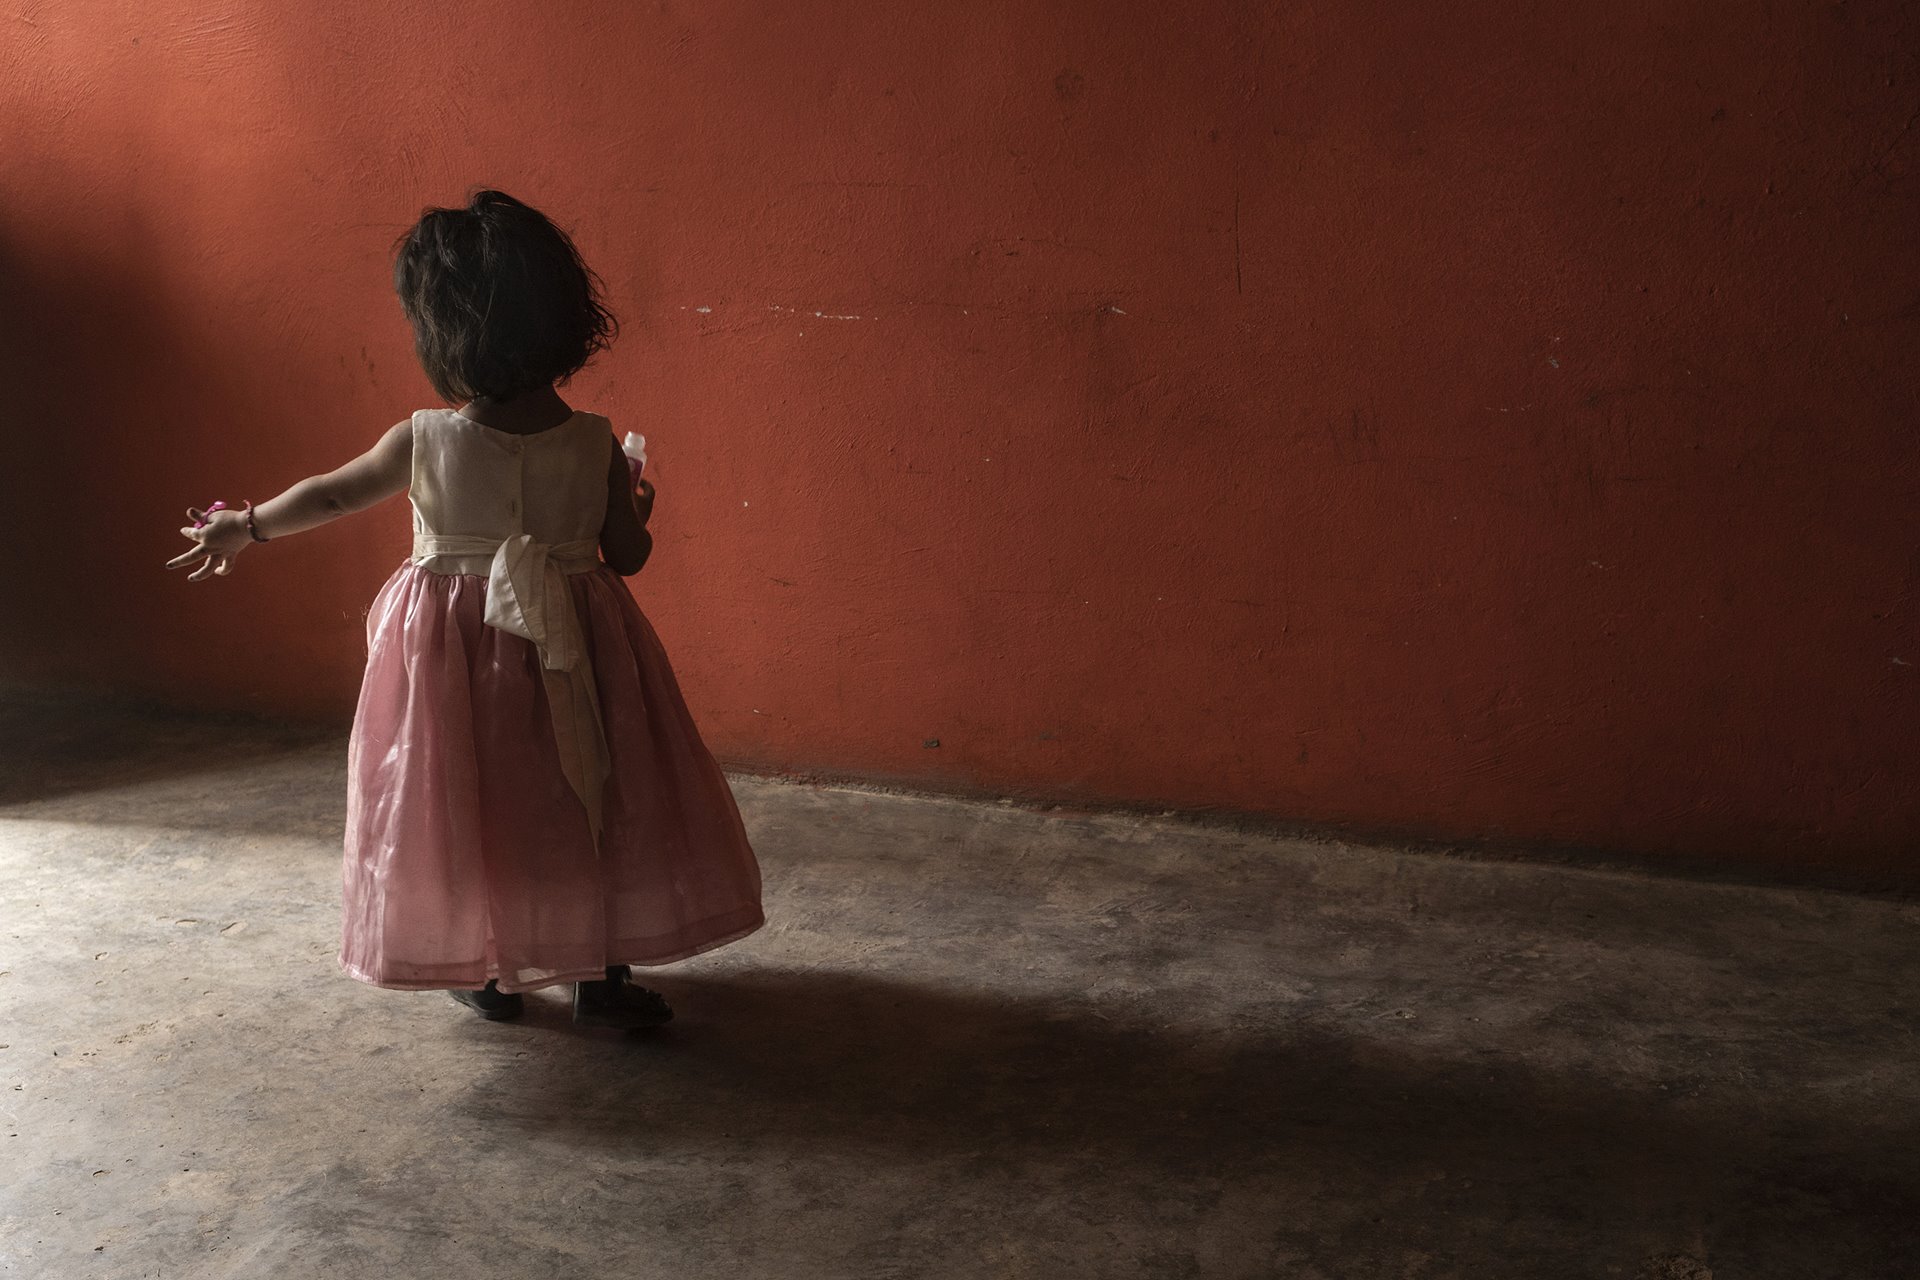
pixel 397 440
pixel 392 455
pixel 377 474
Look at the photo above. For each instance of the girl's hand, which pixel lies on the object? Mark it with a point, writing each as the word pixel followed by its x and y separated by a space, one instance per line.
pixel 217 542
pixel 643 500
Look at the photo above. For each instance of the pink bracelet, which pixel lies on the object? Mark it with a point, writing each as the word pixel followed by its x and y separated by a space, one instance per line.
pixel 253 528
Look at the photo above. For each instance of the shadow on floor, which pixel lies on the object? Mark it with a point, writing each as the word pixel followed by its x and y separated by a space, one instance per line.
pixel 97 758
pixel 1243 1126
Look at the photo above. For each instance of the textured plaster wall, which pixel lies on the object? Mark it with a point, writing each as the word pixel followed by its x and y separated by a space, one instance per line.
pixel 1474 419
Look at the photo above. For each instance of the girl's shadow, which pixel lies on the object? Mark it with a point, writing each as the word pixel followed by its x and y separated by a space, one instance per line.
pixel 1272 1102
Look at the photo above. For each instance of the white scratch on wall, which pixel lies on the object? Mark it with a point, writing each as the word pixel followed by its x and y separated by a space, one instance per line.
pixel 818 315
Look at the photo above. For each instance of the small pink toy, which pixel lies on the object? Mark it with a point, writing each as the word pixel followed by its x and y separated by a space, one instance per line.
pixel 635 447
pixel 206 511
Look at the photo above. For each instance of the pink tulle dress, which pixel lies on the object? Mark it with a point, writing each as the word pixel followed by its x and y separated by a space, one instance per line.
pixel 527 797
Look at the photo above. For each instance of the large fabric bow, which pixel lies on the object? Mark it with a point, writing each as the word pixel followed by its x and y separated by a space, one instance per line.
pixel 528 595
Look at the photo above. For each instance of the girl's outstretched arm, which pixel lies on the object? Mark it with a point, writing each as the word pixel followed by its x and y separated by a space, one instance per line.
pixel 373 477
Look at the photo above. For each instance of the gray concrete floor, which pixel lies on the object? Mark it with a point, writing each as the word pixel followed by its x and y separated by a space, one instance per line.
pixel 973 1041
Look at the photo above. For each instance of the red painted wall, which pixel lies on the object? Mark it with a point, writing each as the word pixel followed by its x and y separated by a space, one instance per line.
pixel 1476 419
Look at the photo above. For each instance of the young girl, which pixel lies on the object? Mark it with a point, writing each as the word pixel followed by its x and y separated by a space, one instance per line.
pixel 528 801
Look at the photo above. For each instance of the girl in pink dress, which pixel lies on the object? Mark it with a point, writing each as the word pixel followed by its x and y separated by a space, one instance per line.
pixel 528 801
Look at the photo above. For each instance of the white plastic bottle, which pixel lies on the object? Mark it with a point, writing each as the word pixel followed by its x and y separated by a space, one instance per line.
pixel 635 447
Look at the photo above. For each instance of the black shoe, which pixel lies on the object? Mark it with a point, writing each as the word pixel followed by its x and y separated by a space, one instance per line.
pixel 615 1002
pixel 490 1004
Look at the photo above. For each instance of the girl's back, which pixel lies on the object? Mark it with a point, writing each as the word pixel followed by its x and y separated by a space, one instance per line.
pixel 475 481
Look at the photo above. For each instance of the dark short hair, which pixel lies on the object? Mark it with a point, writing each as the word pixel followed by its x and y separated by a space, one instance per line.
pixel 498 298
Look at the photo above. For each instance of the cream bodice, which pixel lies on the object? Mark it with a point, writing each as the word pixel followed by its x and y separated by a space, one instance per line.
pixel 474 481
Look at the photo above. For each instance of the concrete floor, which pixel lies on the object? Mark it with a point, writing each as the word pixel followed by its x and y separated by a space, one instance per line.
pixel 973 1041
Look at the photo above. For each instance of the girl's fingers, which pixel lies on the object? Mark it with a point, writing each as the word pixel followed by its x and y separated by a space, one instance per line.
pixel 186 557
pixel 212 565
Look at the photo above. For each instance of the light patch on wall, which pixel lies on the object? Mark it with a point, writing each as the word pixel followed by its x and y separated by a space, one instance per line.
pixel 818 315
